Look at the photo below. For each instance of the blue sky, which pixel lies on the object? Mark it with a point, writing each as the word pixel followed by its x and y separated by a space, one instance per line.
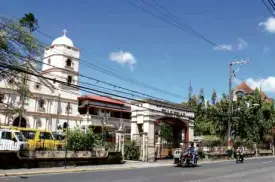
pixel 164 56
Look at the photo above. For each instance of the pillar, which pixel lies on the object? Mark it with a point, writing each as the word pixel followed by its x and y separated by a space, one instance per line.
pixel 120 142
pixel 122 145
pixel 149 129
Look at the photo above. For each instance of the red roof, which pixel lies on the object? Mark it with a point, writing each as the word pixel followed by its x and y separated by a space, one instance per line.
pixel 101 99
pixel 243 86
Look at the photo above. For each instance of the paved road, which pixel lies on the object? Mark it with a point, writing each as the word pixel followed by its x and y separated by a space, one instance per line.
pixel 252 170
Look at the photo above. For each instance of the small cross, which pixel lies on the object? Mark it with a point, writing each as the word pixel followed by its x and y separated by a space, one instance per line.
pixel 65 31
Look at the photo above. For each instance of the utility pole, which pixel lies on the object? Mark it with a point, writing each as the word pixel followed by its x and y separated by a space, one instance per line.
pixel 240 62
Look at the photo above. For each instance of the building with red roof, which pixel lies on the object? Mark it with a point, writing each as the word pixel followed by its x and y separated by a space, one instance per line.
pixel 244 89
pixel 105 114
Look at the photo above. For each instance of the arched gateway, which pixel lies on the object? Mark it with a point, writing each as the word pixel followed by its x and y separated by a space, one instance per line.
pixel 149 117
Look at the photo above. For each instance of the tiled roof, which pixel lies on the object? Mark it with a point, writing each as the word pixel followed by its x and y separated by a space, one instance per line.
pixel 244 87
pixel 101 99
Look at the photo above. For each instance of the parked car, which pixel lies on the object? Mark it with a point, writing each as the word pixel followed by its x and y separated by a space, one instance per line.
pixel 12 140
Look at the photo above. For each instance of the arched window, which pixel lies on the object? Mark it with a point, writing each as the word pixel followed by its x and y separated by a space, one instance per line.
pixel 69 63
pixel 2 97
pixel 69 79
pixel 41 103
pixel 240 93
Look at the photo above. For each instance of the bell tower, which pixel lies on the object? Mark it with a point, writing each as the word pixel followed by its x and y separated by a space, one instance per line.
pixel 61 62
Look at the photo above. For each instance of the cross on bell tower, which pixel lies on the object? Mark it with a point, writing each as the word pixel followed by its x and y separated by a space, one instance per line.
pixel 65 31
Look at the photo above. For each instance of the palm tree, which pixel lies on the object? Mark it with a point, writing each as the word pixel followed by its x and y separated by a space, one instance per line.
pixel 29 21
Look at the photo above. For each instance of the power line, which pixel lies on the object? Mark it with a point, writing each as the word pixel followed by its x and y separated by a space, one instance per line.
pixel 267 7
pixel 121 77
pixel 91 78
pixel 179 21
pixel 163 19
pixel 115 86
pixel 272 4
pixel 174 18
pixel 97 92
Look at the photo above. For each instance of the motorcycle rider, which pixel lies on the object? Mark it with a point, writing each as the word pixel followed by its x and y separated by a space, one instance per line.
pixel 193 151
pixel 240 150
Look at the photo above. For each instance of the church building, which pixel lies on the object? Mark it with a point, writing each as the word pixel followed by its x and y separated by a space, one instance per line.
pixel 50 104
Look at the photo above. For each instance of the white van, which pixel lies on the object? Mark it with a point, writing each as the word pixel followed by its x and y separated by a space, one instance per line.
pixel 12 140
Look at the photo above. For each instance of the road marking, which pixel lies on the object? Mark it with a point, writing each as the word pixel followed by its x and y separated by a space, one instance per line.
pixel 267 162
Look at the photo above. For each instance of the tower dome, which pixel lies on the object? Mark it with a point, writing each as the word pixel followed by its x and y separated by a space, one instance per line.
pixel 63 40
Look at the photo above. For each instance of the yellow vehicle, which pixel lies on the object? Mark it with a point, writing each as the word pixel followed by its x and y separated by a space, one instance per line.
pixel 40 139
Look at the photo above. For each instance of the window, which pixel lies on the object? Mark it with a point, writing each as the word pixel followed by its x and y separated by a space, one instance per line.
pixel 29 134
pixel 69 63
pixel 41 103
pixel 69 79
pixel 20 136
pixel 2 97
pixel 11 81
pixel 45 136
pixel 37 86
pixel 49 61
pixel 6 135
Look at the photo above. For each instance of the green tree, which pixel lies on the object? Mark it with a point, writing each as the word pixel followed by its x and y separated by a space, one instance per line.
pixel 18 48
pixel 201 98
pixel 214 97
pixel 29 21
pixel 165 132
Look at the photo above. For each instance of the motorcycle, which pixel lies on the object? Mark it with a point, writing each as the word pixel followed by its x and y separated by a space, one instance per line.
pixel 239 157
pixel 185 158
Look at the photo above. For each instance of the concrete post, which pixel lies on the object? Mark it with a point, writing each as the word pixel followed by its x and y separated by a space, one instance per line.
pixel 122 145
pixel 117 144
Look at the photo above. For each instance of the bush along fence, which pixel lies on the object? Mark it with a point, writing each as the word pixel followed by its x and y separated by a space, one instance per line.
pixel 217 149
pixel 80 148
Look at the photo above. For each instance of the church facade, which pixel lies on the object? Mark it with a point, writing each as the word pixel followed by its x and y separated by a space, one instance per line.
pixel 50 104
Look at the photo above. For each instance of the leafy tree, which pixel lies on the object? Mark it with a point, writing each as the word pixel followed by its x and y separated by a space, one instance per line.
pixel 29 21
pixel 214 97
pixel 201 98
pixel 249 124
pixel 165 132
pixel 18 48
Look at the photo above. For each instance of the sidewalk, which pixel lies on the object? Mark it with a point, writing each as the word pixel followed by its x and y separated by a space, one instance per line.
pixel 127 165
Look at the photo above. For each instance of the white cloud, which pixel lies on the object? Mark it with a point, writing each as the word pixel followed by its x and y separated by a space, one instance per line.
pixel 242 44
pixel 266 49
pixel 223 47
pixel 268 25
pixel 267 85
pixel 123 58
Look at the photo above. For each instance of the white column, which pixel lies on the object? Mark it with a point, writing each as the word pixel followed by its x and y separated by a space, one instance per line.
pixel 149 128
pixel 122 145
pixel 117 142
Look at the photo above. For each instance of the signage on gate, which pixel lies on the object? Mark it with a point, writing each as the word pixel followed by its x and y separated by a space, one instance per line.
pixel 172 113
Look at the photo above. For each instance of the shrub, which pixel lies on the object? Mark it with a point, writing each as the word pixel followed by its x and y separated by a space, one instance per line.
pixel 131 151
pixel 201 154
pixel 229 152
pixel 79 141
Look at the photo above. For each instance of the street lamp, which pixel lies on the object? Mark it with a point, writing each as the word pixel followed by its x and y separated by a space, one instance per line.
pixel 68 110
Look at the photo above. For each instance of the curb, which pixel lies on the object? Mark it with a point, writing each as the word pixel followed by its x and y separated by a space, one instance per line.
pixel 64 171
